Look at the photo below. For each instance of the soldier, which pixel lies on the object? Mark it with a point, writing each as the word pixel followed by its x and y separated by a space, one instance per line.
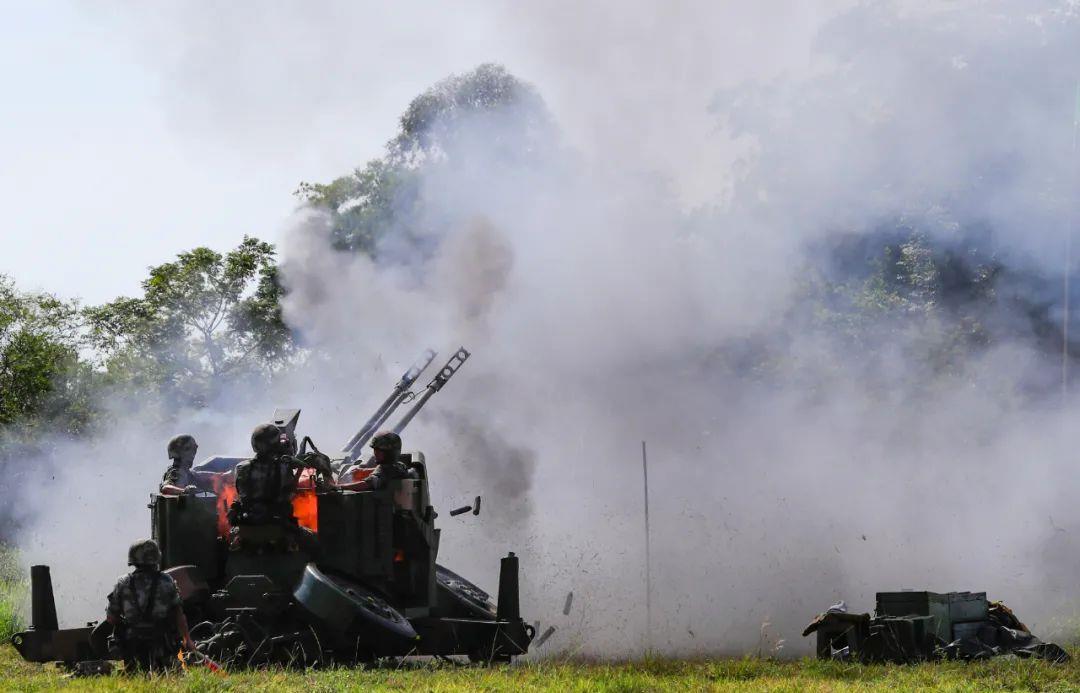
pixel 388 467
pixel 179 478
pixel 145 613
pixel 266 483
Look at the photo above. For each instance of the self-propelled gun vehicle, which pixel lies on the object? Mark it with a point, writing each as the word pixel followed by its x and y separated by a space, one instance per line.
pixel 365 585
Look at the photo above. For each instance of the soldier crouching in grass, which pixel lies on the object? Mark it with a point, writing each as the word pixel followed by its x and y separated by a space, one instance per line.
pixel 144 610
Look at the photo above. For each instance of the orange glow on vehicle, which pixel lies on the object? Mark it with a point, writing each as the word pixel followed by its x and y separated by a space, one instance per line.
pixel 305 504
pixel 305 507
pixel 226 494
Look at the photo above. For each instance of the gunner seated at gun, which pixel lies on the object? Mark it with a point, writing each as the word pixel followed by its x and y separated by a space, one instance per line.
pixel 387 447
pixel 180 478
pixel 267 483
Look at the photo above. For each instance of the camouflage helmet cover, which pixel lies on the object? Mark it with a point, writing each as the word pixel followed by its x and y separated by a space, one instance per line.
pixel 386 440
pixel 181 445
pixel 144 552
pixel 266 438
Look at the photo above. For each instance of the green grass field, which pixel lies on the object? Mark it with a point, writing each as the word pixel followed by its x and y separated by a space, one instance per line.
pixel 719 675
pixel 752 674
pixel 13 593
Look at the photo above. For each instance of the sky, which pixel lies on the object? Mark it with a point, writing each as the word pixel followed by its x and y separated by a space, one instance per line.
pixel 96 184
pixel 130 132
pixel 111 165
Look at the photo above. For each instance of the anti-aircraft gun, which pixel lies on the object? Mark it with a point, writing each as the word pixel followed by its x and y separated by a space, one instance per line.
pixel 366 584
pixel 398 396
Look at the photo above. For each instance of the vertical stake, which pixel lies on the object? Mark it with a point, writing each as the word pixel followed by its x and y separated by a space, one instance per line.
pixel 1070 226
pixel 648 558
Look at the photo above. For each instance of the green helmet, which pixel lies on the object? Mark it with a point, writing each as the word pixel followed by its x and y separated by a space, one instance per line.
pixel 144 553
pixel 387 440
pixel 266 439
pixel 182 446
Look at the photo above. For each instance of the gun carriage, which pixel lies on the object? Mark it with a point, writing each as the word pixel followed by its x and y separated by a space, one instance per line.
pixel 365 585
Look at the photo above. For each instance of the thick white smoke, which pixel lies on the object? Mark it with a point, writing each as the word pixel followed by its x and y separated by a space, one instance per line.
pixel 601 312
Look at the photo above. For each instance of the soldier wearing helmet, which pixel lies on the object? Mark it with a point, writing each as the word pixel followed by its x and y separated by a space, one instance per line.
pixel 180 478
pixel 145 613
pixel 388 467
pixel 266 483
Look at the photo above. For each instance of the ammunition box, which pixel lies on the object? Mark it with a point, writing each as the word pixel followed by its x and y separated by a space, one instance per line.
pixel 902 639
pixel 947 609
pixel 971 630
pixel 967 606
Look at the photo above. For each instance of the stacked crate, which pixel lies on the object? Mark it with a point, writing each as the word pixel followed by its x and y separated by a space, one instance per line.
pixel 955 614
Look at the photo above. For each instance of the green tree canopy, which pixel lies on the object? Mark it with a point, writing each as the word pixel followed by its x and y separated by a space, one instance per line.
pixel 438 128
pixel 204 318
pixel 40 370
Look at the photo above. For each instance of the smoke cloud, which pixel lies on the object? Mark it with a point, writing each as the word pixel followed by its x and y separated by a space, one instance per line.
pixel 645 278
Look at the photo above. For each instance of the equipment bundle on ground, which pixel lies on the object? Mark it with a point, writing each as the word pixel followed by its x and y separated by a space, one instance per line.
pixel 915 626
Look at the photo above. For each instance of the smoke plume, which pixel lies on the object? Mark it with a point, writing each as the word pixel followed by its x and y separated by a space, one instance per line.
pixel 646 276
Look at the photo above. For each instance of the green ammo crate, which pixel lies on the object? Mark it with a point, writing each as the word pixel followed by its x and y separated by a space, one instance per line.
pixel 947 609
pixel 968 606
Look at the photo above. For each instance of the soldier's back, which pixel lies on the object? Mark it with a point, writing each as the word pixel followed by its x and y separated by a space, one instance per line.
pixel 263 479
pixel 142 596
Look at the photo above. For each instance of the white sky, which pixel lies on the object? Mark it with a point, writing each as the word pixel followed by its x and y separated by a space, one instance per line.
pixel 132 131
pixel 100 179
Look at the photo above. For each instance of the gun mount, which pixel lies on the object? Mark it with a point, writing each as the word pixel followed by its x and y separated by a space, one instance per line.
pixel 368 584
pixel 445 373
pixel 397 396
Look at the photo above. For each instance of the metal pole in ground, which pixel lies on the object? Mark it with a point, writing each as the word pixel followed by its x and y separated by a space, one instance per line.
pixel 1067 274
pixel 648 558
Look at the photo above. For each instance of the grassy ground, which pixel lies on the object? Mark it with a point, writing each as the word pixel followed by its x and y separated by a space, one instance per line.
pixel 13 591
pixel 719 675
pixel 552 675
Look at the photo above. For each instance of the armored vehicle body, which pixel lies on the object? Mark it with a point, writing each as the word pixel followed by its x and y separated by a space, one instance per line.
pixel 356 578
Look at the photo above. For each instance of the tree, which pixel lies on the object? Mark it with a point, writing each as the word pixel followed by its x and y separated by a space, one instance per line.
pixel 203 319
pixel 42 380
pixel 439 128
pixel 438 122
pixel 900 289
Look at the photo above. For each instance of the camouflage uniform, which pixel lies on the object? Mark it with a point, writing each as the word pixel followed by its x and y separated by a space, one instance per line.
pixel 381 475
pixel 143 607
pixel 182 450
pixel 265 486
pixel 182 477
pixel 390 469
